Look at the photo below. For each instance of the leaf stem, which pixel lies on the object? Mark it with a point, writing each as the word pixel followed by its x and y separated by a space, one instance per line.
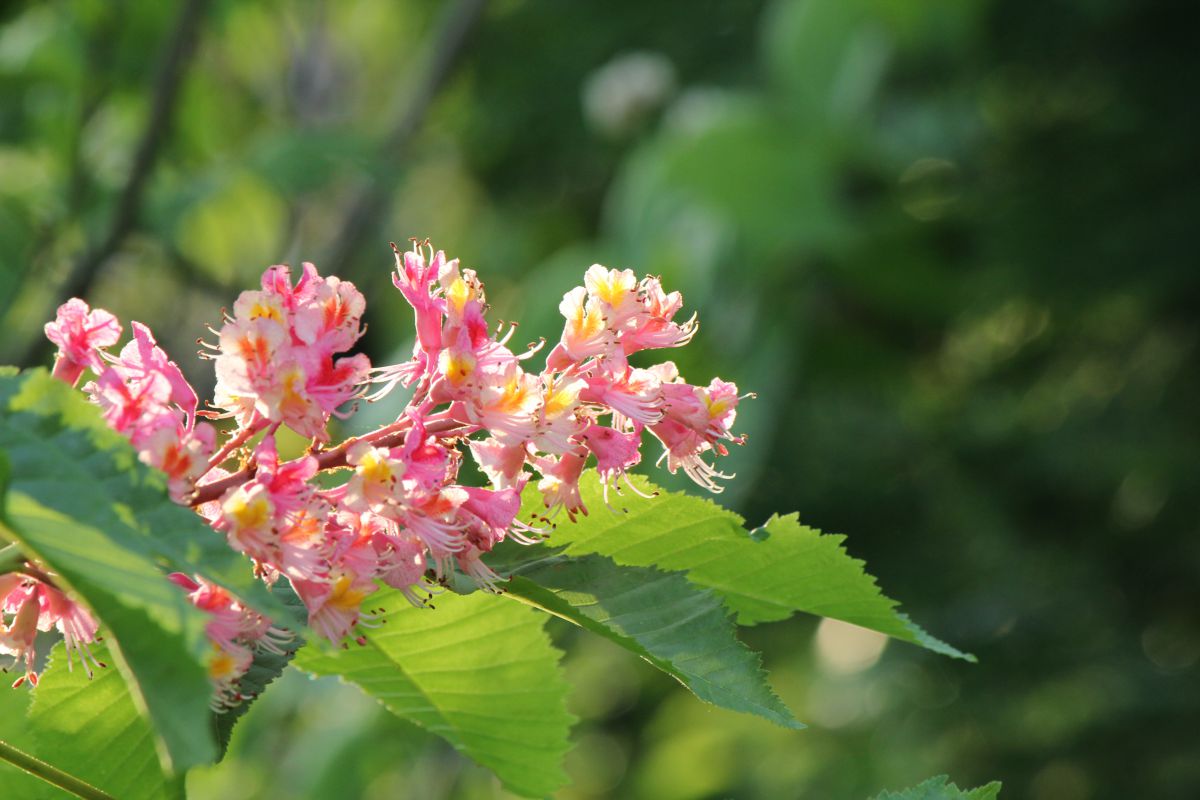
pixel 52 775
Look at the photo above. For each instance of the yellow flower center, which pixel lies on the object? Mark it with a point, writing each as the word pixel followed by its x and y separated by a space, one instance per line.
pixel 457 367
pixel 458 293
pixel 717 407
pixel 587 322
pixel 266 310
pixel 221 665
pixel 247 513
pixel 375 468
pixel 343 597
pixel 516 393
pixel 610 289
pixel 558 399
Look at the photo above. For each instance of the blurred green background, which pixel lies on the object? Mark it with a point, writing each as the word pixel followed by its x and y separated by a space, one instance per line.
pixel 949 244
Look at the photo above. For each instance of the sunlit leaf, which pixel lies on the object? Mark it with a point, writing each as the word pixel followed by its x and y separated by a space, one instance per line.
pixel 90 729
pixel 764 575
pixel 477 671
pixel 684 631
pixel 79 501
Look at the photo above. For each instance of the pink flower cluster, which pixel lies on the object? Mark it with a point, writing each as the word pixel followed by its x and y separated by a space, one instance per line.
pixel 236 634
pixel 142 392
pixel 34 604
pixel 275 359
pixel 399 517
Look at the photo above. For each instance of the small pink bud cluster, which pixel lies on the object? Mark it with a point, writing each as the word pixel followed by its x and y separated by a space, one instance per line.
pixel 399 517
pixel 29 603
pixel 275 359
pixel 236 634
pixel 142 392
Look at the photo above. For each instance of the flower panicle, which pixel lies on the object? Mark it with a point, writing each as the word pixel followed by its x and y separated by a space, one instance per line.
pixel 400 517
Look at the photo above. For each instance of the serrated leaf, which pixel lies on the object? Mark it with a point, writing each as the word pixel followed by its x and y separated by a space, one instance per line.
pixel 265 668
pixel 939 788
pixel 477 671
pixel 92 730
pixel 683 630
pixel 77 498
pixel 762 576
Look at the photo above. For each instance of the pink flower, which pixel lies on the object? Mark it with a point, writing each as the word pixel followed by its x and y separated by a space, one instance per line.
pixel 615 452
pixel 558 424
pixel 251 355
pixel 248 519
pixel 286 482
pixel 635 394
pixel 457 370
pixel 277 518
pixel 470 562
pixel 38 606
pixel 507 404
pixel 616 291
pixel 73 621
pixel 182 454
pixel 143 360
pixel 333 606
pixel 330 321
pixel 560 483
pixel 434 521
pixel 428 464
pixel 80 334
pixel 275 358
pixel 235 633
pixel 585 334
pixel 376 478
pixel 501 463
pixel 402 559
pixel 332 383
pixel 16 638
pixel 414 274
pixel 488 515
pixel 654 329
pixel 133 408
pixel 696 421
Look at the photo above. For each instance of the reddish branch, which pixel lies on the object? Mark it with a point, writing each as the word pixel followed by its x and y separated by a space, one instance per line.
pixel 389 436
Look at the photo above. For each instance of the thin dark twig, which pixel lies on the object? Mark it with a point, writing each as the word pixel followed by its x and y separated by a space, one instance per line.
pixel 441 59
pixel 176 56
pixel 93 92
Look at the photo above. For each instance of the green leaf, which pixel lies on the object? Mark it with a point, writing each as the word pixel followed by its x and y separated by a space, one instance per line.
pixel 78 500
pixel 91 730
pixel 939 789
pixel 762 576
pixel 684 631
pixel 14 730
pixel 264 669
pixel 479 672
